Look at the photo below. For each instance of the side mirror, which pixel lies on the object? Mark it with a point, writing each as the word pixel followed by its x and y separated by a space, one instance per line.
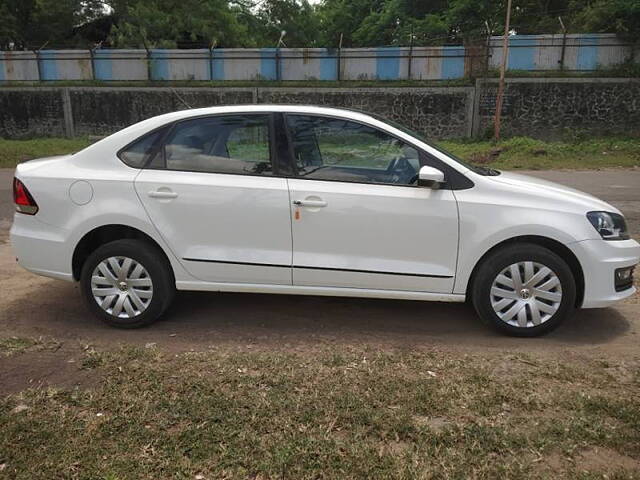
pixel 430 177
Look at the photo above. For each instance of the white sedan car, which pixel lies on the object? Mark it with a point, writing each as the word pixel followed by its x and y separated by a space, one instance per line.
pixel 312 201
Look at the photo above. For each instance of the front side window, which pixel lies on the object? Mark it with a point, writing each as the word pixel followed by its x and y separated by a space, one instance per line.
pixel 479 169
pixel 335 149
pixel 223 144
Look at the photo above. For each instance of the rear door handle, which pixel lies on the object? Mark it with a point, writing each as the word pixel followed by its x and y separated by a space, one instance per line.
pixel 310 203
pixel 163 194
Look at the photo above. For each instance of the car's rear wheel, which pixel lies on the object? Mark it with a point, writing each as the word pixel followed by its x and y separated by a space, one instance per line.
pixel 127 283
pixel 524 290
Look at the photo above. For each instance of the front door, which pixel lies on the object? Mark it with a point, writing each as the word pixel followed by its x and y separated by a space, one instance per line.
pixel 359 220
pixel 214 196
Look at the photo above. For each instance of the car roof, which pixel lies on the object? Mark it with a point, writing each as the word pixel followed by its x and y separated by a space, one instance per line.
pixel 265 107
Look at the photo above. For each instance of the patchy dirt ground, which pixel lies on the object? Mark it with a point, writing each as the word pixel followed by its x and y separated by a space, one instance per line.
pixel 324 411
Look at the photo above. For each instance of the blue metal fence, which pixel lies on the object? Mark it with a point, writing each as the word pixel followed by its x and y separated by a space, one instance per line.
pixel 580 52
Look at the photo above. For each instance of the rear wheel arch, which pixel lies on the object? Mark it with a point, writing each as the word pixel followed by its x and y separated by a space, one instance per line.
pixel 553 245
pixel 105 234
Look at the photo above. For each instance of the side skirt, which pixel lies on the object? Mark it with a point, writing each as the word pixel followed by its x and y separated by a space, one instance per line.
pixel 324 291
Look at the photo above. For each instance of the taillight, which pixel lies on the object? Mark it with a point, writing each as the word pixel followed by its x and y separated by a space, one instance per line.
pixel 23 199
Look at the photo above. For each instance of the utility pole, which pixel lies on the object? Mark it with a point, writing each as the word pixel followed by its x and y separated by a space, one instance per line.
pixel 277 59
pixel 503 67
pixel 487 53
pixel 564 43
pixel 411 37
pixel 339 60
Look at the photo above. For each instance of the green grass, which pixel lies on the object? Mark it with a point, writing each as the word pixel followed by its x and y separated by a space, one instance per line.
pixel 14 345
pixel 13 152
pixel 509 154
pixel 334 412
pixel 528 153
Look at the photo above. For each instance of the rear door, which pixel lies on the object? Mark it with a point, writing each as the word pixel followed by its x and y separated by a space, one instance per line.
pixel 359 218
pixel 214 194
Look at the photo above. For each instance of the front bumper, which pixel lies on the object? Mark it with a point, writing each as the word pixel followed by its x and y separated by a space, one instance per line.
pixel 599 260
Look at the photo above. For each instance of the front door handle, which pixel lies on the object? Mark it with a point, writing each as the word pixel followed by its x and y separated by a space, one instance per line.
pixel 310 203
pixel 163 194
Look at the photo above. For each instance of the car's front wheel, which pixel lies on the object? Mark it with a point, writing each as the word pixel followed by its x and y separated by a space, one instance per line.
pixel 127 283
pixel 524 290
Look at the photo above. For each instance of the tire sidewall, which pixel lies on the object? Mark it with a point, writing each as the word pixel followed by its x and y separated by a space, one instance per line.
pixel 500 260
pixel 154 264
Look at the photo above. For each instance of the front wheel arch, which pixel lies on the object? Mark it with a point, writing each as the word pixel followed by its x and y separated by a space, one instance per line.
pixel 556 247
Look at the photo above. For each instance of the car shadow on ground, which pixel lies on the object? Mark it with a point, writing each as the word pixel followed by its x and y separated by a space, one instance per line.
pixel 202 319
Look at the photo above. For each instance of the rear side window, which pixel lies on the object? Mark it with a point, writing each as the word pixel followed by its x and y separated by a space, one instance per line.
pixel 236 144
pixel 138 153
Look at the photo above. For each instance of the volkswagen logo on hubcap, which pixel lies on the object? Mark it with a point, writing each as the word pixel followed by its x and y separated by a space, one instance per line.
pixel 525 294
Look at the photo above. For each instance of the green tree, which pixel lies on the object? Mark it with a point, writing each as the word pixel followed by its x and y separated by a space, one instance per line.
pixel 33 23
pixel 8 27
pixel 377 22
pixel 258 23
pixel 381 27
pixel 344 17
pixel 540 16
pixel 609 16
pixel 295 17
pixel 467 18
pixel 165 23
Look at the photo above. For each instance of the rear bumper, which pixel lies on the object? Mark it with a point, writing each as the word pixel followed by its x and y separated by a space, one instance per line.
pixel 599 260
pixel 41 248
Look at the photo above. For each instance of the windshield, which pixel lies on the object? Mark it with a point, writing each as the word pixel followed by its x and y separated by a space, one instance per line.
pixel 474 168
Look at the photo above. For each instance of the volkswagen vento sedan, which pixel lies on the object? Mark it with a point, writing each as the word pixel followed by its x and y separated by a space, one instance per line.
pixel 313 201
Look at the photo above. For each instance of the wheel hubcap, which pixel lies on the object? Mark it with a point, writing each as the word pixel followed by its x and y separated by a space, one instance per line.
pixel 122 287
pixel 526 294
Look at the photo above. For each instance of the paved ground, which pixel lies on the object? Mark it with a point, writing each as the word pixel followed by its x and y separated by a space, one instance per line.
pixel 35 306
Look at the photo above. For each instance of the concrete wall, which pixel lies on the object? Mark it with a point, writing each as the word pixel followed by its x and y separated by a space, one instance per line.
pixel 101 111
pixel 584 52
pixel 541 107
pixel 435 112
pixel 550 108
pixel 32 113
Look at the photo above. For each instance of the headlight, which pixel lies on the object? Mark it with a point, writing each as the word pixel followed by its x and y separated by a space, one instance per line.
pixel 610 226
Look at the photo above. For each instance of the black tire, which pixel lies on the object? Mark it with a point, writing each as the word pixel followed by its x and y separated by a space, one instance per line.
pixel 500 260
pixel 157 268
